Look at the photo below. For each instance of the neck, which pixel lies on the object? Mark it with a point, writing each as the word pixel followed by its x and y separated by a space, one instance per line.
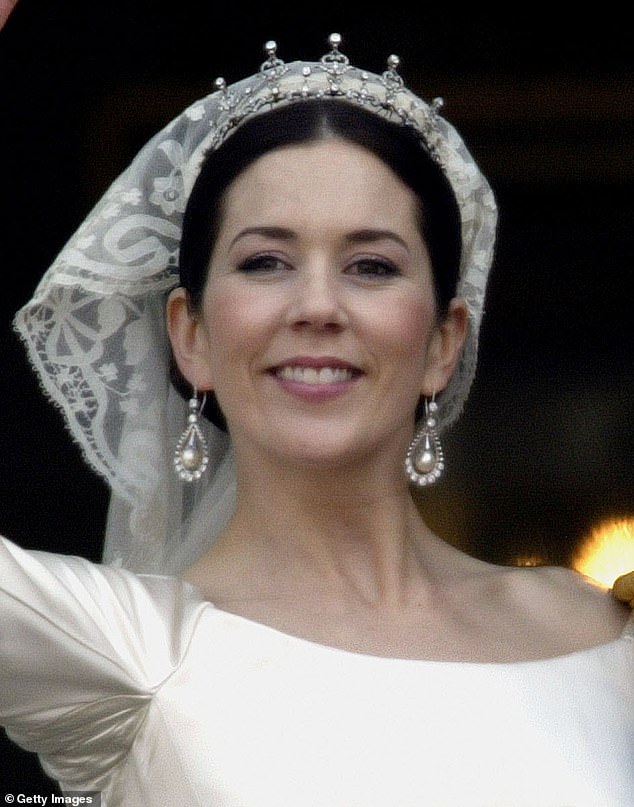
pixel 352 531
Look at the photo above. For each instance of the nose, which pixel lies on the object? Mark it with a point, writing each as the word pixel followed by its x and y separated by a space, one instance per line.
pixel 317 301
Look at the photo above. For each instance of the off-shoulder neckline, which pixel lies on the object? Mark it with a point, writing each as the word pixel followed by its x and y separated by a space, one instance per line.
pixel 281 635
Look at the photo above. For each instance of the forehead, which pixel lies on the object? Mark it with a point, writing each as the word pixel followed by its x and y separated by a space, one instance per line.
pixel 320 180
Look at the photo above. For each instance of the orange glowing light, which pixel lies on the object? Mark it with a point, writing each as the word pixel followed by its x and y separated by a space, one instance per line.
pixel 530 560
pixel 608 552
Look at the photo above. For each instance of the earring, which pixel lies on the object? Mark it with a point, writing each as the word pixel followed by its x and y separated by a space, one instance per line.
pixel 192 454
pixel 424 462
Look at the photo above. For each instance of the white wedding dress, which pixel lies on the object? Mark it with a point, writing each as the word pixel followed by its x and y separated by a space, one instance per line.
pixel 137 687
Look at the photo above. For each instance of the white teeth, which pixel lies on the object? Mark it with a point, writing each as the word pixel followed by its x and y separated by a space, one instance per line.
pixel 314 375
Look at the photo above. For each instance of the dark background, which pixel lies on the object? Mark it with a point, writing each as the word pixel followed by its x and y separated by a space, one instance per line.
pixel 546 447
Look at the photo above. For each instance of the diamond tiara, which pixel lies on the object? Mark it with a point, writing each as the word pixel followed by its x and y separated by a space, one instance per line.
pixel 332 76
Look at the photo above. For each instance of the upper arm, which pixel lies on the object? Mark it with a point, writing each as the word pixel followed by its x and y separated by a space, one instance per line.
pixel 623 589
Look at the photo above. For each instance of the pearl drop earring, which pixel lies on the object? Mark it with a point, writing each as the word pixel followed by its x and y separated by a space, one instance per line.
pixel 424 462
pixel 192 453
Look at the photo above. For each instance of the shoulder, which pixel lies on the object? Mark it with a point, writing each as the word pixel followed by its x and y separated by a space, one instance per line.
pixel 566 602
pixel 108 611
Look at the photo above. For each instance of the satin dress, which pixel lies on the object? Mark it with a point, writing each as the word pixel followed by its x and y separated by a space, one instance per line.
pixel 137 687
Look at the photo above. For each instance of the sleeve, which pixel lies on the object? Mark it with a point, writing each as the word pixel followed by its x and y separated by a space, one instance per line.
pixel 83 648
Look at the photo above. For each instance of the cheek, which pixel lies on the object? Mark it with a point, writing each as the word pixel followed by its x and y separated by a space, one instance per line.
pixel 237 321
pixel 407 327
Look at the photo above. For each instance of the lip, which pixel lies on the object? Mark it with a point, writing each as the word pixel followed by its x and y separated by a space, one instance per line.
pixel 328 386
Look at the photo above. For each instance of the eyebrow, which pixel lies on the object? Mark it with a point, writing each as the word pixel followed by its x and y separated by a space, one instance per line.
pixel 371 234
pixel 364 235
pixel 281 233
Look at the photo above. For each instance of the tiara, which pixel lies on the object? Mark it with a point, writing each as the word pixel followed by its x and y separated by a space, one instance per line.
pixel 280 83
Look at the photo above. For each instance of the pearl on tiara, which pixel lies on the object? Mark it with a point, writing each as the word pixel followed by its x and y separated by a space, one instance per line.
pixel 331 77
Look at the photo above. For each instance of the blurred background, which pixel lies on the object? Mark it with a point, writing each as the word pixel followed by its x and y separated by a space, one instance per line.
pixel 542 463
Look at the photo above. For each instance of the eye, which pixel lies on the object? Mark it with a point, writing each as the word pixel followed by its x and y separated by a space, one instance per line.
pixel 263 264
pixel 373 268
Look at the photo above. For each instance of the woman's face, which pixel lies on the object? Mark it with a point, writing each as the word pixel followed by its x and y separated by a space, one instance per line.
pixel 318 328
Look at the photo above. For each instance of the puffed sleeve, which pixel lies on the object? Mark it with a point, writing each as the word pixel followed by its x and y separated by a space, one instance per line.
pixel 83 649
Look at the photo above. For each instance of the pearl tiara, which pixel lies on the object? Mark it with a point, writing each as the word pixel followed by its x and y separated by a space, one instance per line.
pixel 332 76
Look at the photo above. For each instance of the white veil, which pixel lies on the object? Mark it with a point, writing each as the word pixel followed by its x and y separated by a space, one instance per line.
pixel 95 327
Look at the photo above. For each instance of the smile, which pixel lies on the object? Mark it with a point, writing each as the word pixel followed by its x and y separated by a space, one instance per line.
pixel 314 375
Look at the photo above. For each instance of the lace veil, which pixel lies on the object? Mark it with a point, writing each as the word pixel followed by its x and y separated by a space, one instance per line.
pixel 95 328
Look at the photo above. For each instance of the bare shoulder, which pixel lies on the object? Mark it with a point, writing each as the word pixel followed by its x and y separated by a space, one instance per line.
pixel 571 604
